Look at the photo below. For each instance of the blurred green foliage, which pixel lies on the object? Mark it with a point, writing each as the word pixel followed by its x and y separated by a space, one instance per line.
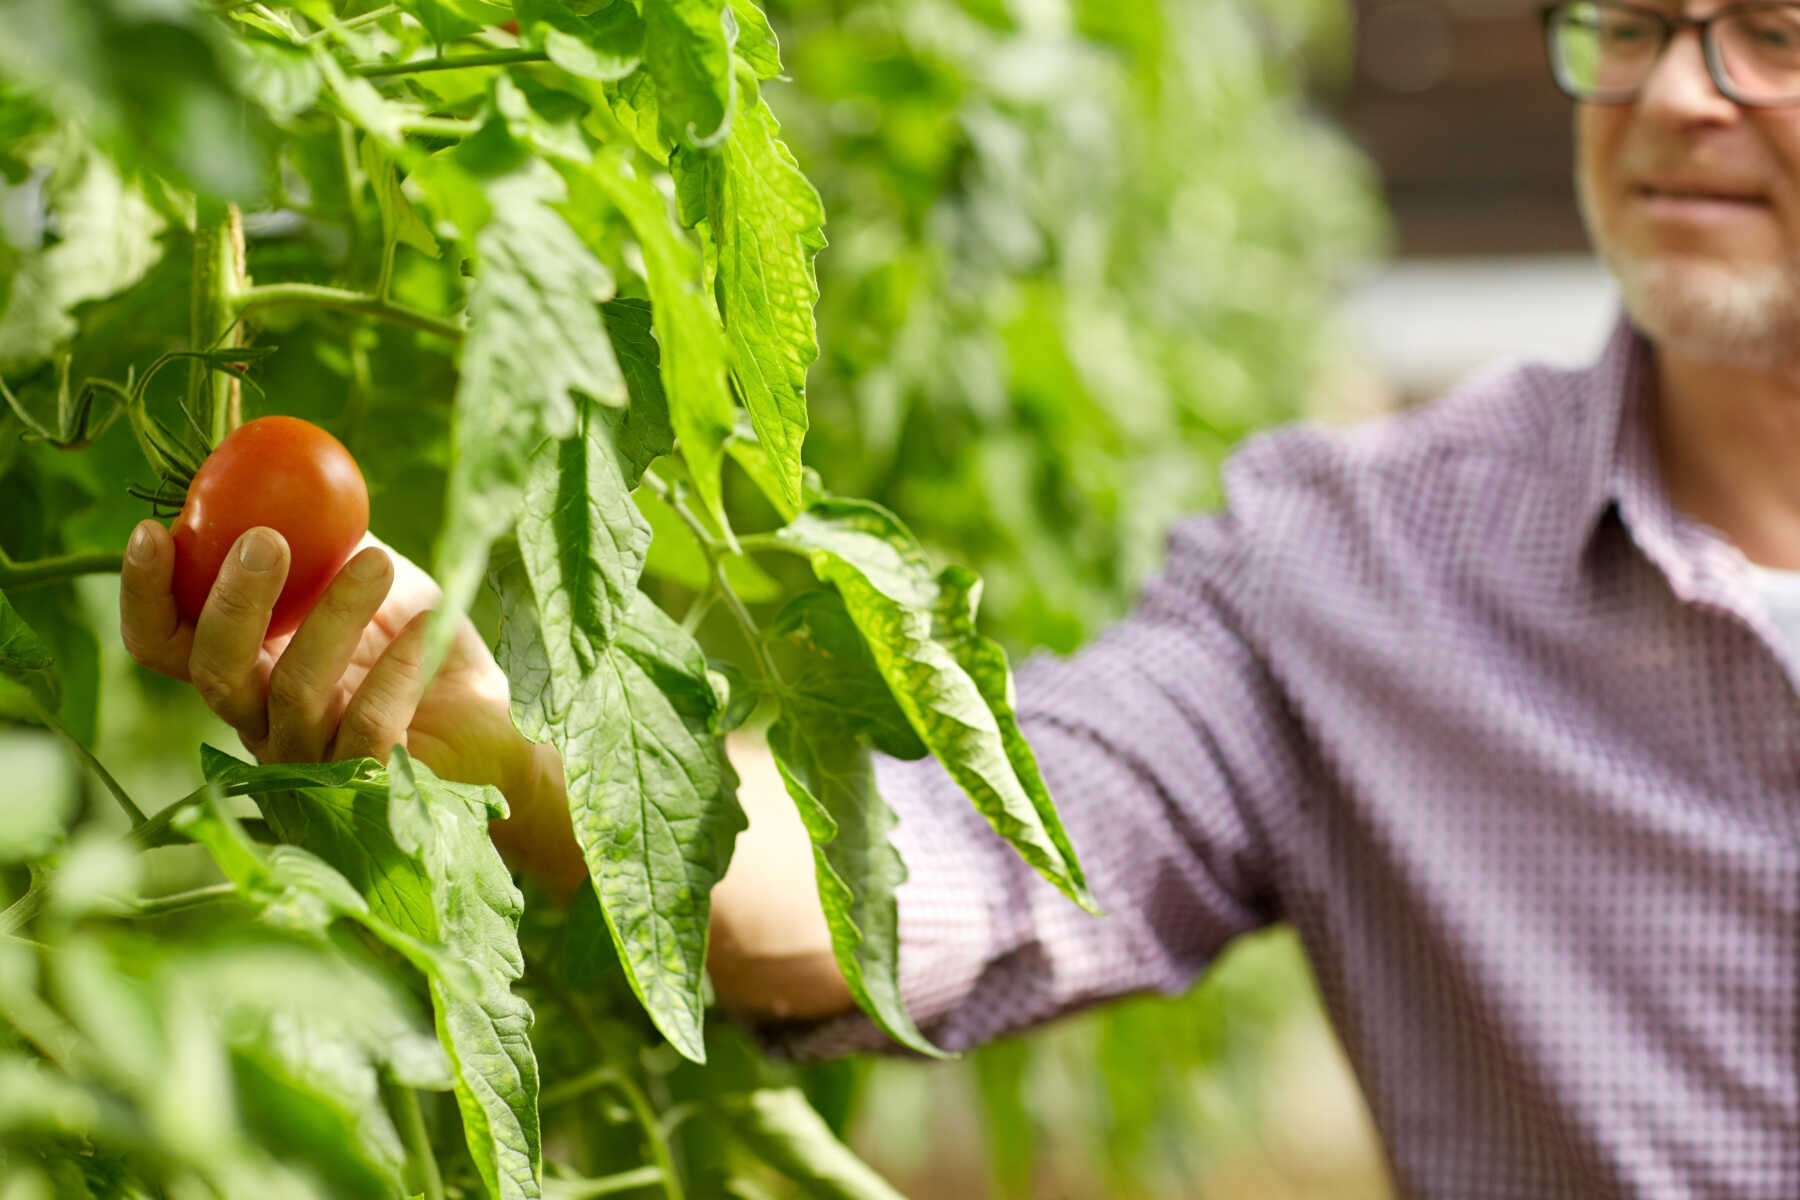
pixel 1078 249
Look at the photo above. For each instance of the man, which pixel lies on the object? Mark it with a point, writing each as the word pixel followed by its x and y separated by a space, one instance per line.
pixel 1495 702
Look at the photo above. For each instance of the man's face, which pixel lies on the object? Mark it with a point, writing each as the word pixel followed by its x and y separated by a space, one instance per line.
pixel 1693 201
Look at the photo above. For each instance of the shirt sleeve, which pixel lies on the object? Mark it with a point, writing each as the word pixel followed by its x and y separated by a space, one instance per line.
pixel 1163 745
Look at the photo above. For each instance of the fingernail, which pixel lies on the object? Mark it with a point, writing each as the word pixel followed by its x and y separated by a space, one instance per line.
pixel 258 551
pixel 140 549
pixel 367 567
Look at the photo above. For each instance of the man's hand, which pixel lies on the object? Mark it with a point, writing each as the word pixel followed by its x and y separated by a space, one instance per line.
pixel 348 682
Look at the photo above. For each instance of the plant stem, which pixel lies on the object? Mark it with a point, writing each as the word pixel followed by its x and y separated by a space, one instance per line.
pixel 386 281
pixel 158 906
pixel 345 26
pixel 585 1189
pixel 274 295
pixel 709 546
pixel 218 275
pixel 421 1162
pixel 447 127
pixel 136 814
pixel 454 62
pixel 769 541
pixel 16 576
pixel 639 1104
pixel 696 613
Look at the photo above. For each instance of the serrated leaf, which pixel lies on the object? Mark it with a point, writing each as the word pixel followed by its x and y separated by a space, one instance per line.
pixel 653 799
pixel 413 864
pixel 834 671
pixel 581 538
pixel 879 570
pixel 536 339
pixel 107 239
pixel 831 779
pixel 444 826
pixel 642 430
pixel 756 43
pixel 767 222
pixel 24 658
pixel 604 45
pixel 690 63
pixel 694 355
pixel 400 221
pixel 651 794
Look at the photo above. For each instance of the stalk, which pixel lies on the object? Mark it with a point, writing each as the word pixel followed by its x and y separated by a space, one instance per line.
pixel 213 396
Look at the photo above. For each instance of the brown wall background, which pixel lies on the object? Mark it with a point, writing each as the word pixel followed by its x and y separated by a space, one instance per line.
pixel 1453 100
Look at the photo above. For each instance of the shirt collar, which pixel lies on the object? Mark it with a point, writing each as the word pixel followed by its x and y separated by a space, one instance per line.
pixel 1620 461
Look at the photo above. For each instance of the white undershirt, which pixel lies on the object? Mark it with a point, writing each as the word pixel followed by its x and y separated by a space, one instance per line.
pixel 1780 591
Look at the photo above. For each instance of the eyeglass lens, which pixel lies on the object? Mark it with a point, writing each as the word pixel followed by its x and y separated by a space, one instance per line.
pixel 1606 51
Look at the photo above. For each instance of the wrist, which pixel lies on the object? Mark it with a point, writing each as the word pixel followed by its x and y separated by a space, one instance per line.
pixel 537 839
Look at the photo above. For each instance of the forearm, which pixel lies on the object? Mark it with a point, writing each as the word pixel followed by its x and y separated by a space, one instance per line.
pixel 769 953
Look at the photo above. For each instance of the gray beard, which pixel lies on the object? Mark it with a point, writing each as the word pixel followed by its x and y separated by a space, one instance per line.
pixel 1744 316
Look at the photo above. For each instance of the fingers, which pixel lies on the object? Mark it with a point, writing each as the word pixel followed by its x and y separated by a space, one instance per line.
pixel 226 665
pixel 378 715
pixel 150 627
pixel 304 691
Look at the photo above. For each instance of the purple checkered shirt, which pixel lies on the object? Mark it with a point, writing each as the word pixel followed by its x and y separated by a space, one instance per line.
pixel 1514 747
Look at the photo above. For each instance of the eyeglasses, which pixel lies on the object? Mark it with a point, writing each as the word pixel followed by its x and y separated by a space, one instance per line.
pixel 1603 52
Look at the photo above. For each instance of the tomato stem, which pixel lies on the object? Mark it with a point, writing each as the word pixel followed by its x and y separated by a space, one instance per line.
pixel 449 62
pixel 421 1163
pixel 218 275
pixel 48 718
pixel 17 576
pixel 175 902
pixel 276 295
pixel 712 548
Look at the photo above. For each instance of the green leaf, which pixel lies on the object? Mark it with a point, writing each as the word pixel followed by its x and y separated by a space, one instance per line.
pixel 400 221
pixel 413 863
pixel 642 430
pixel 24 658
pixel 651 794
pixel 56 615
pixel 836 700
pixel 690 62
pixel 236 777
pixel 694 354
pixel 768 224
pixel 786 1132
pixel 888 590
pixel 107 240
pixel 835 672
pixel 40 793
pixel 476 910
pixel 831 778
pixel 536 340
pixel 605 44
pixel 756 42
pixel 581 538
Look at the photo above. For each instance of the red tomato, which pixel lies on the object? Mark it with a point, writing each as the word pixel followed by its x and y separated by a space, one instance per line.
pixel 289 475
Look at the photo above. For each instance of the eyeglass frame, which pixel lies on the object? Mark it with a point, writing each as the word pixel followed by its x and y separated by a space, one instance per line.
pixel 1671 26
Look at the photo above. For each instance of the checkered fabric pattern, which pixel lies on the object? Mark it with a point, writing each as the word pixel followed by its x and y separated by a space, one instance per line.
pixel 1514 746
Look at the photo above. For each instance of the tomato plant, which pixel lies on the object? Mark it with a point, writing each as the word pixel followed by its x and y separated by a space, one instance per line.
pixel 290 476
pixel 553 286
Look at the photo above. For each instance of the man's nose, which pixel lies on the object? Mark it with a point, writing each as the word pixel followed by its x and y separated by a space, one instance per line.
pixel 1680 87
